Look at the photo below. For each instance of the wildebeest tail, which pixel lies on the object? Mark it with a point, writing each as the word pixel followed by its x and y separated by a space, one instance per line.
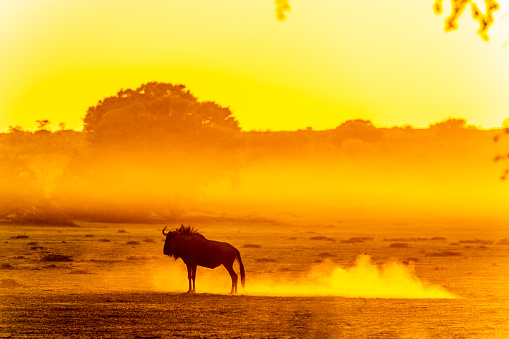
pixel 242 272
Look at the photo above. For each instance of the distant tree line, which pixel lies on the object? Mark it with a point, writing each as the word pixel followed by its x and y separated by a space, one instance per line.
pixel 148 154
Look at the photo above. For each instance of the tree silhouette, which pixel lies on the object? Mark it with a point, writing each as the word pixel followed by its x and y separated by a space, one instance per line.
pixel 449 127
pixel 29 166
pixel 502 157
pixel 357 129
pixel 156 109
pixel 150 149
pixel 42 124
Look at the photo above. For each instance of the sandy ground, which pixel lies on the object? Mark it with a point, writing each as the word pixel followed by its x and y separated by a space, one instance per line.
pixel 118 284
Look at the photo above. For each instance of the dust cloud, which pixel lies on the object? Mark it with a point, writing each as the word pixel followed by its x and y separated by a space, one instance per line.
pixel 363 280
pixel 358 170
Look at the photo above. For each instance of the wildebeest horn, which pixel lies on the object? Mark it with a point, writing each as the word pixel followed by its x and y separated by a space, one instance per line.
pixel 163 231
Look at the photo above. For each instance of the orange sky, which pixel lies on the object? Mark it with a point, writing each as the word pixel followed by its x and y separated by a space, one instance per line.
pixel 330 61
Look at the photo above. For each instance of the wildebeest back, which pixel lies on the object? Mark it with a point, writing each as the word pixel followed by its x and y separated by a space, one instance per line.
pixel 195 250
pixel 206 253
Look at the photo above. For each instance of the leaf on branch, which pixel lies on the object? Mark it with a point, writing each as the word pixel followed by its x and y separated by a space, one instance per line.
pixel 437 7
pixel 282 6
pixel 458 6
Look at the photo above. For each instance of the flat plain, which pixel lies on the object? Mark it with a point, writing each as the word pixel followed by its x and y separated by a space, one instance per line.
pixel 358 279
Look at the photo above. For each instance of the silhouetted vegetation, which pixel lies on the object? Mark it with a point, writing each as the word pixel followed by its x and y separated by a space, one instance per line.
pixel 157 153
pixel 132 242
pixel 410 259
pixel 252 246
pixel 322 238
pixel 356 240
pixel 439 238
pixel 57 258
pixel 19 237
pixel 458 6
pixel 444 254
pixel 152 149
pixel 477 241
pixel 7 266
pixel 78 271
pixel 502 157
pixel 399 245
pixel 265 260
pixel 485 19
pixel 414 239
pixel 30 165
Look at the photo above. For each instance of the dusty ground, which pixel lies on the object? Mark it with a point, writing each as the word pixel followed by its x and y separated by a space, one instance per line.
pixel 168 315
pixel 118 284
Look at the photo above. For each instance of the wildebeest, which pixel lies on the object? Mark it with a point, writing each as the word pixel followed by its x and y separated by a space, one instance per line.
pixel 195 250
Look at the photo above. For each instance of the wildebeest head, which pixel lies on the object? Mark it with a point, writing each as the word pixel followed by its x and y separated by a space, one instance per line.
pixel 177 241
pixel 170 237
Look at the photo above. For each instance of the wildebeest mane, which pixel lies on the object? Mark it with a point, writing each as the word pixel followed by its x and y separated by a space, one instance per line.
pixel 188 230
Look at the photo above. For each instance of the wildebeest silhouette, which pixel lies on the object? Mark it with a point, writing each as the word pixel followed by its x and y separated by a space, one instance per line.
pixel 195 250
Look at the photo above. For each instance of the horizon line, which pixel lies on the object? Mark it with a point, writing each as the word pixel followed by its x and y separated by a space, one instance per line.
pixel 54 127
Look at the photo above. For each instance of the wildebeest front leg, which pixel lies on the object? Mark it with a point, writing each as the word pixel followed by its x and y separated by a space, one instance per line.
pixel 234 278
pixel 190 277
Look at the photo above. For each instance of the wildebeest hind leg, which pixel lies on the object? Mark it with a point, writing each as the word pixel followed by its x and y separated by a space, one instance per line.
pixel 234 278
pixel 193 272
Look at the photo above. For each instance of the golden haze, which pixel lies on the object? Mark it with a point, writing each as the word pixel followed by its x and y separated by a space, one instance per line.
pixel 158 153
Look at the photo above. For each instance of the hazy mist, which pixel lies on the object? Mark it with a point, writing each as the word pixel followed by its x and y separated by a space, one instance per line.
pixel 158 153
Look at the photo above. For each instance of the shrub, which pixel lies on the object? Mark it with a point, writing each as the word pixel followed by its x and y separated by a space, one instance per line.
pixel 399 245
pixel 56 258
pixel 252 246
pixel 322 238
pixel 132 242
